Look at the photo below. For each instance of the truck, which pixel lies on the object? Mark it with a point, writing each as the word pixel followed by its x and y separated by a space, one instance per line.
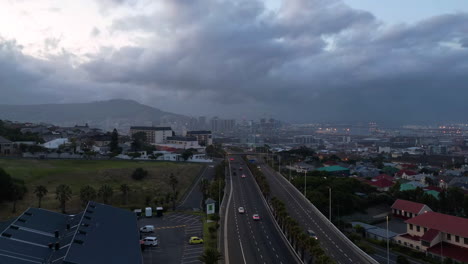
pixel 148 212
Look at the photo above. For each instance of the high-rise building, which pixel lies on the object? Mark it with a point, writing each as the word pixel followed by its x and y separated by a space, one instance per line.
pixel 154 135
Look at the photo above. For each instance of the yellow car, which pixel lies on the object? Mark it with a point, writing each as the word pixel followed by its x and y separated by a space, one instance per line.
pixel 195 240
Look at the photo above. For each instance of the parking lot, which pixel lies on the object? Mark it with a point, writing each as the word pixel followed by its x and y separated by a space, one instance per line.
pixel 173 232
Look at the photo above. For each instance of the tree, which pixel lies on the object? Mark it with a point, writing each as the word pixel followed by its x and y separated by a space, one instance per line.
pixel 18 190
pixel 402 260
pixel 187 154
pixel 210 256
pixel 125 189
pixel 40 192
pixel 139 174
pixel 114 144
pixel 5 185
pixel 63 195
pixel 105 192
pixel 173 182
pixel 204 187
pixel 87 193
pixel 139 141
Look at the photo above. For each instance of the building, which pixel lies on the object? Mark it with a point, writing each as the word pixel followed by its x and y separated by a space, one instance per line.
pixel 154 135
pixel 375 232
pixel 222 125
pixel 408 209
pixel 183 142
pixel 6 147
pixel 204 137
pixel 56 143
pixel 382 185
pixel 100 234
pixel 437 235
pixel 335 170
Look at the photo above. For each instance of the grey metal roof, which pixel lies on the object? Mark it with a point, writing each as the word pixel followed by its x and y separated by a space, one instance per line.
pixel 179 138
pixel 100 234
pixel 4 140
pixel 198 132
pixel 150 128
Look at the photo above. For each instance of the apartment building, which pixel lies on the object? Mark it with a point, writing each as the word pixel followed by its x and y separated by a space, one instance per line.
pixel 204 137
pixel 154 135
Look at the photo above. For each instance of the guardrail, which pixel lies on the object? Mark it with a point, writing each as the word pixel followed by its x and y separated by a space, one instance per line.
pixel 363 255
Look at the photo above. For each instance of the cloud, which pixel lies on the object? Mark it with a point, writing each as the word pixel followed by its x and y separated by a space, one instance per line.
pixel 309 60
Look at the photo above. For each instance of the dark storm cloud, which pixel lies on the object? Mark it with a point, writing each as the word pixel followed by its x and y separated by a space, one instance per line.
pixel 311 60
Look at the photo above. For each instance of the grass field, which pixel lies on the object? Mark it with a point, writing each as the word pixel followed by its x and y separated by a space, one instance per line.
pixel 78 173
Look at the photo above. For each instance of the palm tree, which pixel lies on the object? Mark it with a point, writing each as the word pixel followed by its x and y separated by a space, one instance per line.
pixel 210 256
pixel 173 182
pixel 105 192
pixel 125 189
pixel 63 195
pixel 204 186
pixel 87 193
pixel 40 192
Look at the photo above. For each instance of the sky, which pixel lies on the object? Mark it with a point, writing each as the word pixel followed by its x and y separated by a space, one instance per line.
pixel 297 60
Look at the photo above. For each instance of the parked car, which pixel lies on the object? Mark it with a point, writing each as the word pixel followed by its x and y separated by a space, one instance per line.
pixel 256 217
pixel 147 229
pixel 241 210
pixel 240 168
pixel 312 234
pixel 150 241
pixel 195 240
pixel 243 176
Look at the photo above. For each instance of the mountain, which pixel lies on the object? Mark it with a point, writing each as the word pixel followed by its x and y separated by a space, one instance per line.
pixel 107 115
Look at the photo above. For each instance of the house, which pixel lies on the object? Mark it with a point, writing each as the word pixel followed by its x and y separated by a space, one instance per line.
pixel 56 143
pixel 204 137
pixel 6 147
pixel 405 174
pixel 335 170
pixel 375 232
pixel 408 209
pixel 383 176
pixel 154 135
pixel 382 185
pixel 437 235
pixel 411 186
pixel 183 142
pixel 99 234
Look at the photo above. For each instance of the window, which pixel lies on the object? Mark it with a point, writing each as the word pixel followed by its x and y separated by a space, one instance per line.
pixel 465 240
pixel 417 247
pixel 425 230
pixel 449 237
pixel 457 239
pixel 411 226
pixel 418 228
pixel 399 241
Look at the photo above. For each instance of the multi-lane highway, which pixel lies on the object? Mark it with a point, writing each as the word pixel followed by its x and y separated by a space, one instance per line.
pixel 249 241
pixel 301 210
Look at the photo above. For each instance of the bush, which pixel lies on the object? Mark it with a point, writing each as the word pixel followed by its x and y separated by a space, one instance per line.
pixel 139 174
pixel 402 260
pixel 212 229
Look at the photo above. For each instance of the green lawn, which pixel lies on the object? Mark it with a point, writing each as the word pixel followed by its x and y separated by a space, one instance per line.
pixel 77 173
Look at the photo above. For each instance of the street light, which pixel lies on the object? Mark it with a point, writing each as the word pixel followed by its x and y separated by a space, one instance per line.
pixel 329 210
pixel 305 183
pixel 388 245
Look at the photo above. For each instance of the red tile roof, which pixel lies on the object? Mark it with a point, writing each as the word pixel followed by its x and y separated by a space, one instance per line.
pixel 407 172
pixel 384 176
pixel 446 223
pixel 407 206
pixel 433 188
pixel 430 235
pixel 382 183
pixel 451 251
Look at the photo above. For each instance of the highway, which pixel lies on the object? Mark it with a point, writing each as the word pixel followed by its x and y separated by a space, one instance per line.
pixel 250 241
pixel 302 211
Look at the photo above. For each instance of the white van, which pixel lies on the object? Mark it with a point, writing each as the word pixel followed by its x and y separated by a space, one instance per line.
pixel 150 241
pixel 147 229
pixel 148 212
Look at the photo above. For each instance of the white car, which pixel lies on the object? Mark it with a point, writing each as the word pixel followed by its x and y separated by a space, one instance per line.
pixel 147 229
pixel 150 241
pixel 241 210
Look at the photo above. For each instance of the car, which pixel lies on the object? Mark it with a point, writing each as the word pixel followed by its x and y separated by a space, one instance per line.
pixel 147 229
pixel 231 159
pixel 256 217
pixel 195 240
pixel 312 234
pixel 150 241
pixel 243 176
pixel 240 168
pixel 241 210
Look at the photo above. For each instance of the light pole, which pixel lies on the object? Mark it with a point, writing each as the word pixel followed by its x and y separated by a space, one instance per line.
pixel 329 210
pixel 279 164
pixel 289 171
pixel 305 183
pixel 388 245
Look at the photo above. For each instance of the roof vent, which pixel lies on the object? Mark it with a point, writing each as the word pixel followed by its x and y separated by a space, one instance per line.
pixel 28 213
pixel 22 220
pixel 6 235
pixel 77 241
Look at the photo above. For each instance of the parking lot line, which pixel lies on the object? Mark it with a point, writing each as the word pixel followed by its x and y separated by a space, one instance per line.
pixel 168 227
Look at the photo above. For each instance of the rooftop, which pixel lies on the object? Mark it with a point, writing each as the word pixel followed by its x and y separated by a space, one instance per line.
pixel 198 132
pixel 4 140
pixel 333 169
pixel 408 206
pixel 179 138
pixel 150 128
pixel 446 223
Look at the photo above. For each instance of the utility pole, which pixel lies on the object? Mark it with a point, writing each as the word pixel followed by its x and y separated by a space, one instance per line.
pixel 279 164
pixel 289 171
pixel 388 245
